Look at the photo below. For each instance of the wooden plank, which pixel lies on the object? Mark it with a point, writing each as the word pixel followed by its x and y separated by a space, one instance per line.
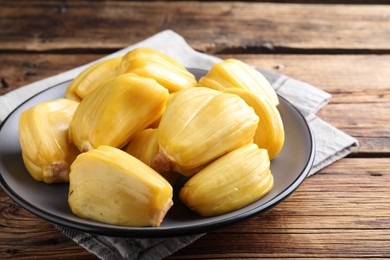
pixel 304 225
pixel 309 225
pixel 349 78
pixel 360 119
pixel 24 235
pixel 347 185
pixel 325 244
pixel 359 105
pixel 344 76
pixel 360 91
pixel 337 74
pixel 370 145
pixel 17 70
pixel 341 212
pixel 220 26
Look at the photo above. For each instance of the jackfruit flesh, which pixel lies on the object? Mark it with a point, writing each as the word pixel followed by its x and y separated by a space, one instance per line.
pixel 144 146
pixel 199 125
pixel 232 73
pixel 109 185
pixel 43 134
pixel 221 132
pixel 116 111
pixel 229 183
pixel 91 78
pixel 270 131
pixel 165 70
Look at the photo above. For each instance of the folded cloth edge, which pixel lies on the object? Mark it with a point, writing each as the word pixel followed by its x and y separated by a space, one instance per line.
pixel 106 247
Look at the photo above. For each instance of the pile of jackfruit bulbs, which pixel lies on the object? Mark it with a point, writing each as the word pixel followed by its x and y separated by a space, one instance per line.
pixel 129 126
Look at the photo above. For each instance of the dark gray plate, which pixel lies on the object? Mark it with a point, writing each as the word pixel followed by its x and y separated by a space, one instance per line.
pixel 50 201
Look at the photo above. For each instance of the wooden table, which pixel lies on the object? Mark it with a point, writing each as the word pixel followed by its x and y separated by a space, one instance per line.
pixel 343 211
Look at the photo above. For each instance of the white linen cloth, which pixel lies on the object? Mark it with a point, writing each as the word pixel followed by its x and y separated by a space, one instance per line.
pixel 331 143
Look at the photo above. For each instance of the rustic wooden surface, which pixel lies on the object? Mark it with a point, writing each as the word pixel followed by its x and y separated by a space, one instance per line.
pixel 343 211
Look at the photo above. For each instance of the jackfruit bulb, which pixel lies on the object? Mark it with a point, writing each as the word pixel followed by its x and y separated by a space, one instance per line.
pixel 116 111
pixel 232 73
pixel 91 78
pixel 150 63
pixel 229 183
pixel 111 186
pixel 199 125
pixel 144 146
pixel 43 134
pixel 270 131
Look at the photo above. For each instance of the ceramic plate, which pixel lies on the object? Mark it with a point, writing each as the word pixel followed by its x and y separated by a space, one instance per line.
pixel 289 168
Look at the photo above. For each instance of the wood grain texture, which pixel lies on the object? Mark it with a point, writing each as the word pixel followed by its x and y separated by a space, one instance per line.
pixel 25 236
pixel 341 212
pixel 349 78
pixel 339 201
pixel 360 94
pixel 330 215
pixel 220 26
pixel 17 70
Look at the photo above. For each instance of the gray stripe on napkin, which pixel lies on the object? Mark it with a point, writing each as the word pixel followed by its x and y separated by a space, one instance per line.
pixel 114 248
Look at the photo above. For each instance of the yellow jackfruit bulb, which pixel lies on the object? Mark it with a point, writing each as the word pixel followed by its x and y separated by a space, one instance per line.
pixel 165 70
pixel 91 78
pixel 270 131
pixel 231 182
pixel 199 125
pixel 156 123
pixel 116 111
pixel 232 73
pixel 144 146
pixel 111 186
pixel 43 133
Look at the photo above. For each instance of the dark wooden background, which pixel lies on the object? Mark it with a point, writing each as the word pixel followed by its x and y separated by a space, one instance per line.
pixel 342 47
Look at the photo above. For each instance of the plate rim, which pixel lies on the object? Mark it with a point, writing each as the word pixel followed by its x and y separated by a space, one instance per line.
pixel 147 232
